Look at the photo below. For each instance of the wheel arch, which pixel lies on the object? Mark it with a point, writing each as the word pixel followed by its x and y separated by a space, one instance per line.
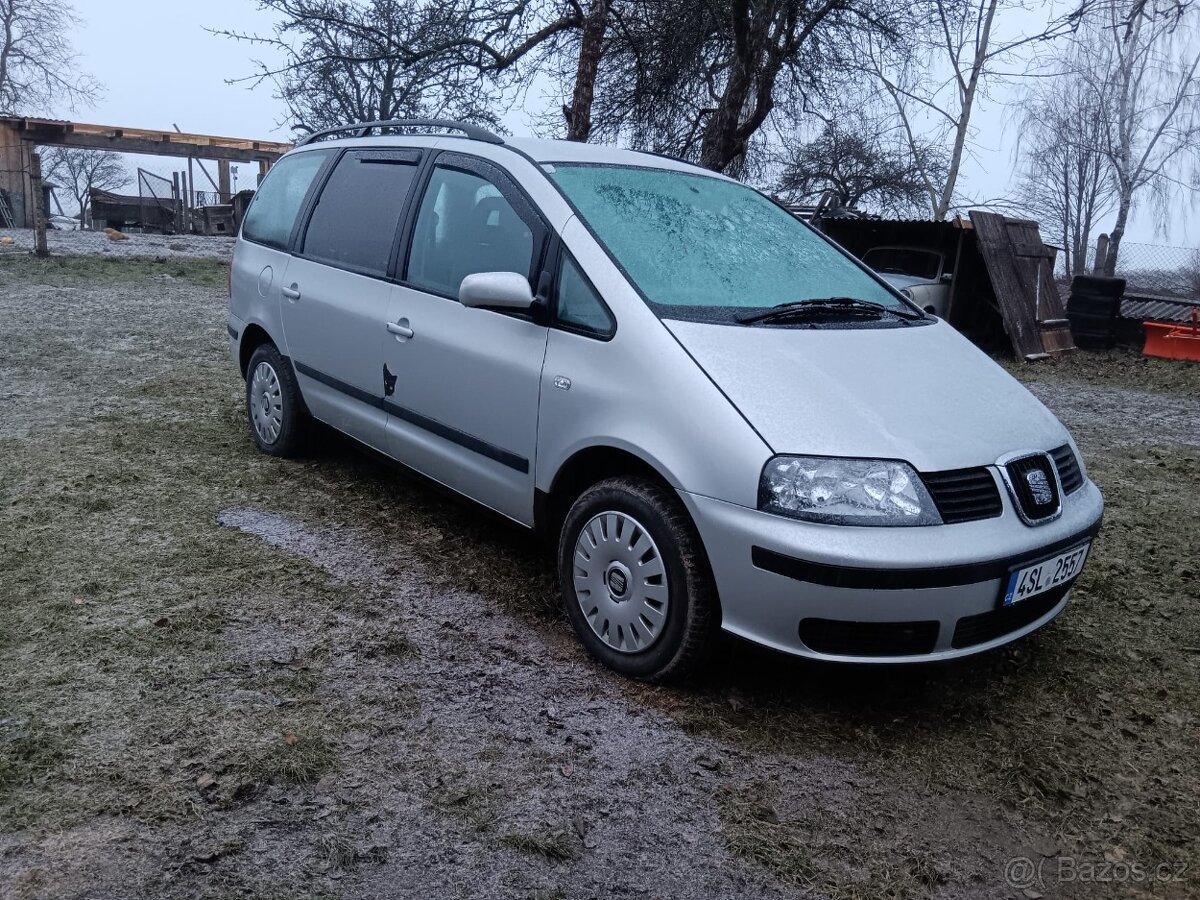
pixel 253 336
pixel 582 469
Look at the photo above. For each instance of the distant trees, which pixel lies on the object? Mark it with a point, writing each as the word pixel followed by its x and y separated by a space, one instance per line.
pixel 1114 119
pixel 935 82
pixel 863 165
pixel 1140 69
pixel 37 64
pixel 81 170
pixel 1067 182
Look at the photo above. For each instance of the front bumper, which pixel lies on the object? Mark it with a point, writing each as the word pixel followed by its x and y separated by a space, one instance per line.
pixel 882 595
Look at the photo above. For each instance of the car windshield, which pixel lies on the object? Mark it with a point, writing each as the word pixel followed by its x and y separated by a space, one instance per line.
pixel 701 247
pixel 904 261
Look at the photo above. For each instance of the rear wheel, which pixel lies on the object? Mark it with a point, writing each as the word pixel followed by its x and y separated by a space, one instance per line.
pixel 279 421
pixel 635 580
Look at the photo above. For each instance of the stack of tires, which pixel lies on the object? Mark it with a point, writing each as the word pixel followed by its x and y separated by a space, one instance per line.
pixel 1093 308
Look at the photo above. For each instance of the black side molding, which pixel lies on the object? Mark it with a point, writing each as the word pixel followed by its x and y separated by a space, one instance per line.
pixel 233 333
pixel 905 579
pixel 462 438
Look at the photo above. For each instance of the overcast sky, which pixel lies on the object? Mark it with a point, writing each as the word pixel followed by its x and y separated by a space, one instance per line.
pixel 160 67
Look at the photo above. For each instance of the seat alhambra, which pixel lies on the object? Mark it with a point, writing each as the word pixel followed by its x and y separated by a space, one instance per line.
pixel 724 420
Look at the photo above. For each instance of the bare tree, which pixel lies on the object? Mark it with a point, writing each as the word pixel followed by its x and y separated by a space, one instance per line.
pixel 37 64
pixel 935 84
pixel 1067 180
pixel 82 170
pixel 702 80
pixel 360 60
pixel 1139 61
pixel 862 163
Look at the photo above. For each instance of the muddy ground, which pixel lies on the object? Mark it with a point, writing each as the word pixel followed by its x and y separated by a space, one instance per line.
pixel 226 675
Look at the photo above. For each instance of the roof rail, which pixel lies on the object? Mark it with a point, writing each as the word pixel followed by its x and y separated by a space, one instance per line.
pixel 362 129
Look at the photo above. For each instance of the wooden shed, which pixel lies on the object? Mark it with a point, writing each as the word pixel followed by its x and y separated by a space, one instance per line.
pixel 1002 291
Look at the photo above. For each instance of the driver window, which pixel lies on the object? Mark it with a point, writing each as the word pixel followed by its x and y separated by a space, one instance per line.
pixel 465 226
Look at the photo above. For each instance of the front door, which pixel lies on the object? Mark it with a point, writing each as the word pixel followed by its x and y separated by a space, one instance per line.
pixel 464 407
pixel 335 296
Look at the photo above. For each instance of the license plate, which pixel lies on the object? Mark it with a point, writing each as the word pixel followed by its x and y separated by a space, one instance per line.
pixel 1042 576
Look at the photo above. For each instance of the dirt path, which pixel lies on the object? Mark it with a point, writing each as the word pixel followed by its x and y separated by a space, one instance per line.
pixel 577 767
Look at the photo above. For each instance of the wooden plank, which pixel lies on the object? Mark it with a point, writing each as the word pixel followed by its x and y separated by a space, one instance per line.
pixel 143 140
pixel 1021 268
pixel 1016 304
pixel 1036 251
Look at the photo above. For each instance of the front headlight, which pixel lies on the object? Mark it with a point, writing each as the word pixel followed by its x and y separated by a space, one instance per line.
pixel 846 491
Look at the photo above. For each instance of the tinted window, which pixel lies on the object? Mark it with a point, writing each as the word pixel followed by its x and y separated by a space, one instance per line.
pixel 465 226
pixel 354 223
pixel 904 261
pixel 579 306
pixel 699 246
pixel 273 212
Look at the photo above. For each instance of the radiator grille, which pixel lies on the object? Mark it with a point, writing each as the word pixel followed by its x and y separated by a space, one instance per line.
pixel 1068 468
pixel 964 495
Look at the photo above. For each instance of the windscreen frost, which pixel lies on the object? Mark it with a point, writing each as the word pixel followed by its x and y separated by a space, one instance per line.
pixel 698 244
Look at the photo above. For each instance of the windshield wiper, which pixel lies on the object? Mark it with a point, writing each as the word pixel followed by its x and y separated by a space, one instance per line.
pixel 850 306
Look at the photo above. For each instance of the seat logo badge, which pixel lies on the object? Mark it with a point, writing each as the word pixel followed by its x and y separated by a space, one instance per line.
pixel 1039 486
pixel 562 382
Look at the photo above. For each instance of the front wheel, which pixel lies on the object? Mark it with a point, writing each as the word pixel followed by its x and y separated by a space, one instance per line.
pixel 635 580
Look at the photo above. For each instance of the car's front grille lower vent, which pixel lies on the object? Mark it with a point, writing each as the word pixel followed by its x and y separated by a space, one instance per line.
pixel 964 495
pixel 838 638
pixel 1068 468
pixel 996 623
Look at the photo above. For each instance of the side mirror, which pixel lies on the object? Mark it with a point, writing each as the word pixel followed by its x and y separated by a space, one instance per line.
pixel 498 290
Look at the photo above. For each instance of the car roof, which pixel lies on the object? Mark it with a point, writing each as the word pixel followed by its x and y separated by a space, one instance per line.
pixel 538 150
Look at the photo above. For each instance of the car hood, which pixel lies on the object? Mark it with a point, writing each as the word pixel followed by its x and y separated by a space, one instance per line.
pixel 924 394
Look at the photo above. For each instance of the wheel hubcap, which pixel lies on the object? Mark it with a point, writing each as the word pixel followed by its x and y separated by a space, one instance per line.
pixel 266 408
pixel 621 582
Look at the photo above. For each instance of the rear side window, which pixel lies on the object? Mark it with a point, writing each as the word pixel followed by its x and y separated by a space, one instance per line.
pixel 466 226
pixel 273 212
pixel 354 222
pixel 579 306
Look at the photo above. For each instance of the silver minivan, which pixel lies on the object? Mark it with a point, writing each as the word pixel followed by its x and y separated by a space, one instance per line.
pixel 724 419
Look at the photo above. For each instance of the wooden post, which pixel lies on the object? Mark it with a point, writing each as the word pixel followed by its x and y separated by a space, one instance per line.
pixel 189 198
pixel 956 278
pixel 176 202
pixel 38 200
pixel 223 180
pixel 1101 255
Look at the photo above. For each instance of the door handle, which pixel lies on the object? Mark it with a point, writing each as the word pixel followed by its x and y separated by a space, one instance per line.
pixel 400 330
pixel 292 293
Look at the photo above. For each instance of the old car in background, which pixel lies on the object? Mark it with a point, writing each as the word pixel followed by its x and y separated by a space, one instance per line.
pixel 918 273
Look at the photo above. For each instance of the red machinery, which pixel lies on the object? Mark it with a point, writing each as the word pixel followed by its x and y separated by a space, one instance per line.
pixel 1174 341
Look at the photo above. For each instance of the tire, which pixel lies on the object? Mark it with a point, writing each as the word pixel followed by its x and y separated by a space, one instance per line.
pixel 279 421
pixel 660 625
